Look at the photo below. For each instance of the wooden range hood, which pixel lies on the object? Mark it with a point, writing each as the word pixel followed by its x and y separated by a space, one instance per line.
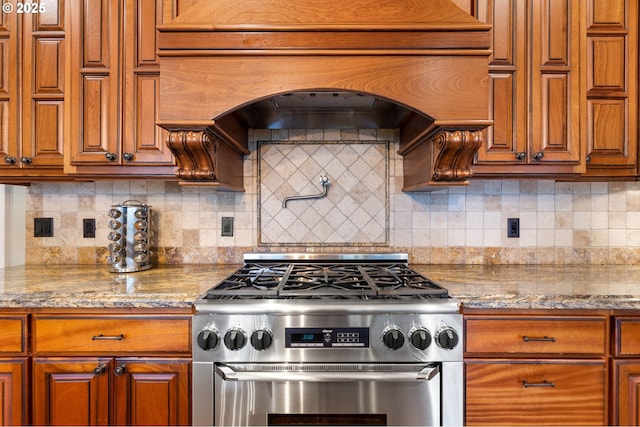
pixel 218 58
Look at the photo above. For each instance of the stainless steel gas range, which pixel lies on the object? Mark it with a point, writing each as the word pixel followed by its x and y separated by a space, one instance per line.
pixel 327 339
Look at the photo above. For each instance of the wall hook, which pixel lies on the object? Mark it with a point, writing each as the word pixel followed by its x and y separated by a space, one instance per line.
pixel 324 181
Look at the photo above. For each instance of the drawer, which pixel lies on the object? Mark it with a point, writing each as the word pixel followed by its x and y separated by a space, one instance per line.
pixel 535 393
pixel 111 334
pixel 627 336
pixel 13 334
pixel 535 335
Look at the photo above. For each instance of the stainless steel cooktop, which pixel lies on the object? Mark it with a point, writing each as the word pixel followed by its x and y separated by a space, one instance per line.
pixel 326 276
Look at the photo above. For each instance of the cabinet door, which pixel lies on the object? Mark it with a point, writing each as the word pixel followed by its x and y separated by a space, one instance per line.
pixel 9 102
pixel 71 391
pixel 534 392
pixel 152 391
pixel 143 141
pixel 535 83
pixel 93 118
pixel 506 139
pixel 43 86
pixel 555 81
pixel 626 392
pixel 612 84
pixel 13 392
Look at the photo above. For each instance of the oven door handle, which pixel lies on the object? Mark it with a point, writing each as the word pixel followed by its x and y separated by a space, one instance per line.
pixel 227 373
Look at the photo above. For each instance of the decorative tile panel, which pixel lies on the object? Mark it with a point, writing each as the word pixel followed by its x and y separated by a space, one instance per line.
pixel 355 210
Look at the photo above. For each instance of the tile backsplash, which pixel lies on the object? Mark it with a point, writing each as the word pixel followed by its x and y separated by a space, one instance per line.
pixel 354 211
pixel 364 211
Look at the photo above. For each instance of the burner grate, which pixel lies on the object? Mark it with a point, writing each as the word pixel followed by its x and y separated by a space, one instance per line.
pixel 326 280
pixel 253 279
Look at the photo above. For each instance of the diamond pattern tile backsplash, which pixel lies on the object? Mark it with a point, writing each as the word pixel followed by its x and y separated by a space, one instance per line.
pixel 355 210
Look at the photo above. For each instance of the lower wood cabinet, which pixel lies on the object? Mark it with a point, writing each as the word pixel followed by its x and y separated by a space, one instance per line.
pixel 111 391
pixel 92 368
pixel 531 369
pixel 529 392
pixel 626 371
pixel 626 392
pixel 14 370
pixel 13 391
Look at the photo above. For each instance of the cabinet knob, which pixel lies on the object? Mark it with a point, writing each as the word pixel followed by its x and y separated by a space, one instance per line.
pixel 100 369
pixel 521 155
pixel 127 156
pixel 110 156
pixel 10 160
pixel 120 369
pixel 538 155
pixel 26 160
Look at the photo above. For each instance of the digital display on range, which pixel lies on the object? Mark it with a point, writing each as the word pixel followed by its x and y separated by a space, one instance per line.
pixel 306 338
pixel 326 337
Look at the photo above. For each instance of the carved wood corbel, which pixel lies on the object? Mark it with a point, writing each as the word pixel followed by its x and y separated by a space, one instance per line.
pixel 208 153
pixel 434 157
pixel 456 152
pixel 195 153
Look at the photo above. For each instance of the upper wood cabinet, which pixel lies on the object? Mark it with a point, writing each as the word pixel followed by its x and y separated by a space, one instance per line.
pixel 534 87
pixel 32 91
pixel 114 84
pixel 612 86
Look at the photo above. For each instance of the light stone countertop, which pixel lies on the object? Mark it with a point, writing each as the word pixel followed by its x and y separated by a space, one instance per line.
pixel 93 286
pixel 172 286
pixel 602 287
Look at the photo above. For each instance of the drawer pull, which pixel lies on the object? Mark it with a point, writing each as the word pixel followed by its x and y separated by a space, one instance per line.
pixel 107 337
pixel 544 383
pixel 538 339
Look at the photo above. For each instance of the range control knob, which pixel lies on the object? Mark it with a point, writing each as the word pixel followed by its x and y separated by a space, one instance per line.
pixel 393 338
pixel 261 339
pixel 420 339
pixel 235 339
pixel 207 339
pixel 447 338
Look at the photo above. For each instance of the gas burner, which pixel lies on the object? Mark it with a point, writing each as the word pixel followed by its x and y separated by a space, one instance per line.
pixel 326 280
pixel 253 279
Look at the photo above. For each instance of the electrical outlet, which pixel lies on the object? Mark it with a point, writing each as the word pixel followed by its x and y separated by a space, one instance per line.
pixel 227 226
pixel 88 228
pixel 43 227
pixel 513 227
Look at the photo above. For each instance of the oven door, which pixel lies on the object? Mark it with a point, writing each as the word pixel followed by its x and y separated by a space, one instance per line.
pixel 327 394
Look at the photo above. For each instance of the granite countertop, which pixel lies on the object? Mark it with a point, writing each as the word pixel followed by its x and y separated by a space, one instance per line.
pixel 93 286
pixel 173 286
pixel 601 287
